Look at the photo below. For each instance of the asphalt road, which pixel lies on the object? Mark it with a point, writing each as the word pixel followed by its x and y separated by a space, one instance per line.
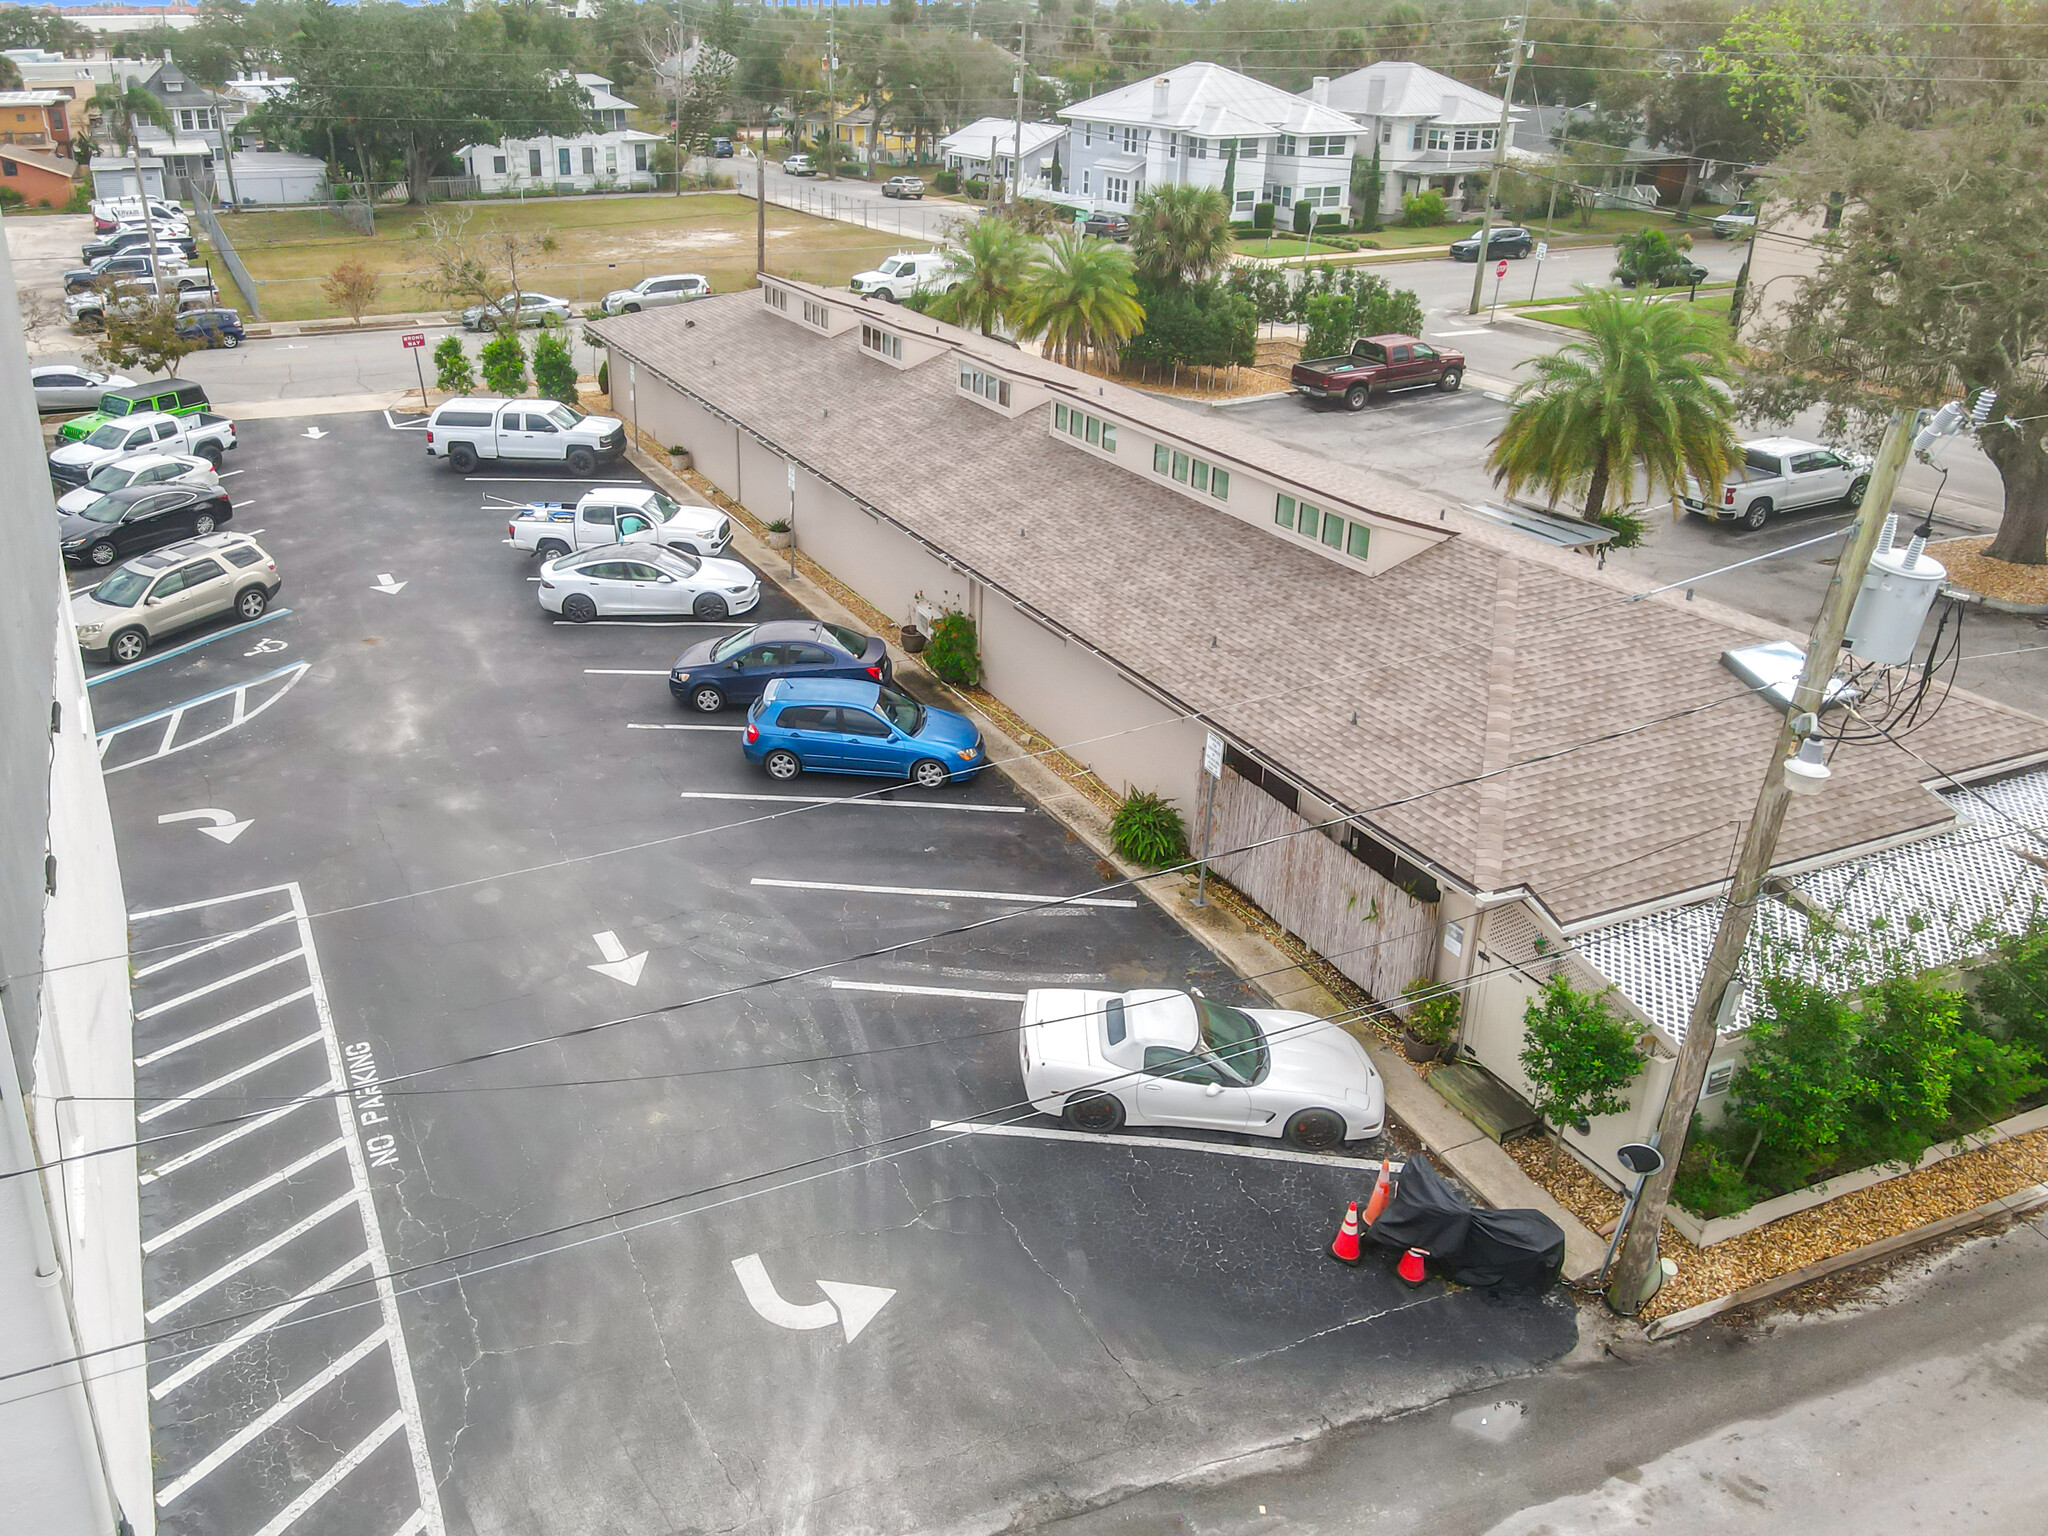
pixel 435 820
pixel 1924 1415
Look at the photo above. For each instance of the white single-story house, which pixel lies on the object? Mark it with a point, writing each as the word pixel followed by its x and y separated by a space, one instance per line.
pixel 968 151
pixel 609 155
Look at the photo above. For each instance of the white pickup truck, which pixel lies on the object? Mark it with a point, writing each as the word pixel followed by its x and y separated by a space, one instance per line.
pixel 469 431
pixel 1777 474
pixel 629 514
pixel 903 274
pixel 203 435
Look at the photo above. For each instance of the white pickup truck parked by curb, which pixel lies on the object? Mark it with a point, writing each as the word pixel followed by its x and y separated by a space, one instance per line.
pixel 468 431
pixel 1778 474
pixel 628 514
pixel 205 436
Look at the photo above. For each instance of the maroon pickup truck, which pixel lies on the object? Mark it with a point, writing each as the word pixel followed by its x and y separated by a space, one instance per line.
pixel 1376 365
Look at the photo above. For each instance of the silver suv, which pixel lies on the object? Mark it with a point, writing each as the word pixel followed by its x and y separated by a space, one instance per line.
pixel 653 292
pixel 173 588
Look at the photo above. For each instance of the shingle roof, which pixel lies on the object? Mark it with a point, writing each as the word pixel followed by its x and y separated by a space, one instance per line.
pixel 1411 90
pixel 1485 651
pixel 1207 98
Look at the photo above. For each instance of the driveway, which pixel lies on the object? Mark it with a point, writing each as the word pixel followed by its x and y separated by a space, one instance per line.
pixel 642 1057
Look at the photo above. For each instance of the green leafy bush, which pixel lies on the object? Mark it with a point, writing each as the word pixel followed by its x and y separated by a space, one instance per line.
pixel 1329 221
pixel 1580 1058
pixel 1148 830
pixel 1630 528
pixel 1649 258
pixel 1304 216
pixel 1332 325
pixel 554 369
pixel 1422 210
pixel 12 197
pixel 1208 324
pixel 452 374
pixel 604 378
pixel 503 364
pixel 1432 1011
pixel 955 651
pixel 947 182
pixel 1262 217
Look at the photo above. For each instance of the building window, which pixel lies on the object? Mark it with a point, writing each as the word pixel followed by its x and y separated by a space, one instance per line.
pixel 497 165
pixel 1219 484
pixel 989 387
pixel 1308 521
pixel 1283 510
pixel 639 157
pixel 1135 140
pixel 875 339
pixel 1284 145
pixel 1386 133
pixel 1198 149
pixel 562 161
pixel 1180 468
pixel 533 163
pixel 775 298
pixel 1247 199
pixel 818 315
pixel 1162 458
pixel 1116 189
pixel 1329 144
pixel 1358 540
pixel 1084 183
pixel 1460 139
pixel 1333 530
pixel 1092 430
pixel 1087 133
pixel 1324 197
pixel 1281 196
pixel 1415 136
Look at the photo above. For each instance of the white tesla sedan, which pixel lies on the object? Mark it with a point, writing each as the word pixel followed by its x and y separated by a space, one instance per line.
pixel 645 581
pixel 1102 1060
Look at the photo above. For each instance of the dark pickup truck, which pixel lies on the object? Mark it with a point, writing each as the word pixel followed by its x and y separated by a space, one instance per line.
pixel 1377 365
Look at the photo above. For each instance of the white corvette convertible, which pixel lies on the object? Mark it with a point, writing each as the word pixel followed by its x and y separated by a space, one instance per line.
pixel 1102 1060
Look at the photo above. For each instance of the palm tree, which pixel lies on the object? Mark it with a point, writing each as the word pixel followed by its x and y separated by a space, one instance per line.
pixel 1180 234
pixel 1646 386
pixel 121 108
pixel 988 267
pixel 1079 295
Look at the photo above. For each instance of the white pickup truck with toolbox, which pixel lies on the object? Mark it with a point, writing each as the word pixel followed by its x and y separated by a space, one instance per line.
pixel 471 431
pixel 627 514
pixel 1779 474
pixel 203 435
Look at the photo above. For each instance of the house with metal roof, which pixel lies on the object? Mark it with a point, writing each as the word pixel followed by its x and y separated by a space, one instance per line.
pixel 1451 749
pixel 1433 133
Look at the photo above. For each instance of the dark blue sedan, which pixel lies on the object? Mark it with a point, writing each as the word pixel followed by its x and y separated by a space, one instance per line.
pixel 865 728
pixel 735 668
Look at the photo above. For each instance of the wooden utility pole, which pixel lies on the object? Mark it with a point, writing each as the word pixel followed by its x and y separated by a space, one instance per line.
pixel 831 102
pixel 761 197
pixel 1639 1252
pixel 1017 144
pixel 1500 154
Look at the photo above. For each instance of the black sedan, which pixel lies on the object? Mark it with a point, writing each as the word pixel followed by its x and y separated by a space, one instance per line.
pixel 138 518
pixel 735 668
pixel 1509 240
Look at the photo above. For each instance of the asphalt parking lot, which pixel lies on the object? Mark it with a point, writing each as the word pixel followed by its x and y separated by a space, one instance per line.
pixel 705 1264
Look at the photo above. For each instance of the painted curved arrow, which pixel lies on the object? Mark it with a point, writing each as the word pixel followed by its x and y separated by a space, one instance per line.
pixel 224 829
pixel 851 1306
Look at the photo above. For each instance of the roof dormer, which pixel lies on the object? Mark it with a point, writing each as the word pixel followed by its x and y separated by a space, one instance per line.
pixel 1000 392
pixel 899 349
pixel 798 307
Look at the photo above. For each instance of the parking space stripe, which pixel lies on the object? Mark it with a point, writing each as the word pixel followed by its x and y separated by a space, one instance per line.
pixel 859 802
pixel 256 1255
pixel 254 1326
pixel 220 1029
pixel 246 1128
pixel 214 986
pixel 414 1526
pixel 678 727
pixel 1362 1165
pixel 211 901
pixel 157 1112
pixel 241 1196
pixel 932 890
pixel 839 984
pixel 325 1483
pixel 653 624
pixel 261 1424
pixel 621 671
pixel 176 713
pixel 190 645
pixel 211 945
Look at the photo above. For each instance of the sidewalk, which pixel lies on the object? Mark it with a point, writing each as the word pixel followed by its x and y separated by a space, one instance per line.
pixel 1453 1140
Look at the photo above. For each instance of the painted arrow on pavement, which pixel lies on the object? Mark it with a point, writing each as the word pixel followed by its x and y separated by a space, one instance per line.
pixel 851 1306
pixel 618 965
pixel 224 828
pixel 384 583
pixel 314 433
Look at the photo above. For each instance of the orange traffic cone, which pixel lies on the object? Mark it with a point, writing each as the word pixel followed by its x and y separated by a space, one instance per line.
pixel 1381 1193
pixel 1345 1249
pixel 1411 1267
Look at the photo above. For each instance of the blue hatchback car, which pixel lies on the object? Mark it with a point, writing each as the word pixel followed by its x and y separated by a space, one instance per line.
pixel 834 726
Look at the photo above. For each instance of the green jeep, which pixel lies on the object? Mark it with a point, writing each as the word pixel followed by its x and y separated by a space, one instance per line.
pixel 172 395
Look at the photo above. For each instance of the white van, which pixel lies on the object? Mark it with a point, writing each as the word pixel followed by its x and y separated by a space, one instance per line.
pixel 468 431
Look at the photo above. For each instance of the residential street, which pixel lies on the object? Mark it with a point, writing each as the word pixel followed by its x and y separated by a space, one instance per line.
pixel 1923 1414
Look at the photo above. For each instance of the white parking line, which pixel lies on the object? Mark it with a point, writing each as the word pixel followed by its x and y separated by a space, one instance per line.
pixel 211 945
pixel 241 1196
pixel 539 480
pixel 653 623
pixel 621 671
pixel 325 1482
pixel 1364 1166
pixel 864 801
pixel 214 986
pixel 220 1029
pixel 158 1111
pixel 838 984
pixel 931 890
pixel 256 1255
pixel 414 1526
pixel 246 1128
pixel 263 1422
pixel 686 727
pixel 254 1326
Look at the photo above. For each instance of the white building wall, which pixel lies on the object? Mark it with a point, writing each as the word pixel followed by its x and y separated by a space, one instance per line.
pixel 613 158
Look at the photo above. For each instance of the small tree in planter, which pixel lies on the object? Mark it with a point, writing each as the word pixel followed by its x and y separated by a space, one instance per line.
pixel 554 369
pixel 1147 829
pixel 503 361
pixel 1580 1058
pixel 1432 1019
pixel 452 373
pixel 955 652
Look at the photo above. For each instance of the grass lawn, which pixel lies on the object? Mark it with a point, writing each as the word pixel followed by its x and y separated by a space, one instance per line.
pixel 601 243
pixel 1284 245
pixel 1568 314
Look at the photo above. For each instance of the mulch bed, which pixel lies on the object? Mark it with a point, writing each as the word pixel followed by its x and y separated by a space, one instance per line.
pixel 1973 571
pixel 1793 1242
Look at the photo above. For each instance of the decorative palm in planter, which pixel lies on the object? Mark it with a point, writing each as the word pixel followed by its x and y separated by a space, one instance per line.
pixel 779 534
pixel 1431 1021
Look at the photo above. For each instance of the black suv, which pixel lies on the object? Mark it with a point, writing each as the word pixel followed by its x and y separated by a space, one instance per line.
pixel 1505 240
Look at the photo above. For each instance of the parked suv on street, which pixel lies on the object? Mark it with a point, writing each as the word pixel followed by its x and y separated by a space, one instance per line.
pixel 1737 219
pixel 903 186
pixel 800 165
pixel 174 588
pixel 1506 240
pixel 212 327
pixel 653 292
pixel 1107 226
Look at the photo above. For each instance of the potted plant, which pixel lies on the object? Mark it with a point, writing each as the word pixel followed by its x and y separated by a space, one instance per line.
pixel 779 534
pixel 1431 1021
pixel 679 456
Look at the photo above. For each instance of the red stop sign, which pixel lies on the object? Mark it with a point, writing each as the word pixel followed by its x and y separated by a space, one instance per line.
pixel 1501 270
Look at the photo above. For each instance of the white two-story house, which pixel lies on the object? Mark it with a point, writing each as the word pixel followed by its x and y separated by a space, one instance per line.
pixel 607 154
pixel 1183 127
pixel 1433 133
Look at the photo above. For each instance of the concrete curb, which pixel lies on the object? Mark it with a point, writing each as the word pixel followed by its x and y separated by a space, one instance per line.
pixel 1489 1172
pixel 2019 1203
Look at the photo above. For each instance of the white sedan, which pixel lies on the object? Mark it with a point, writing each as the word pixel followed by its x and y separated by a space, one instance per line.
pixel 140 469
pixel 64 387
pixel 1103 1060
pixel 644 581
